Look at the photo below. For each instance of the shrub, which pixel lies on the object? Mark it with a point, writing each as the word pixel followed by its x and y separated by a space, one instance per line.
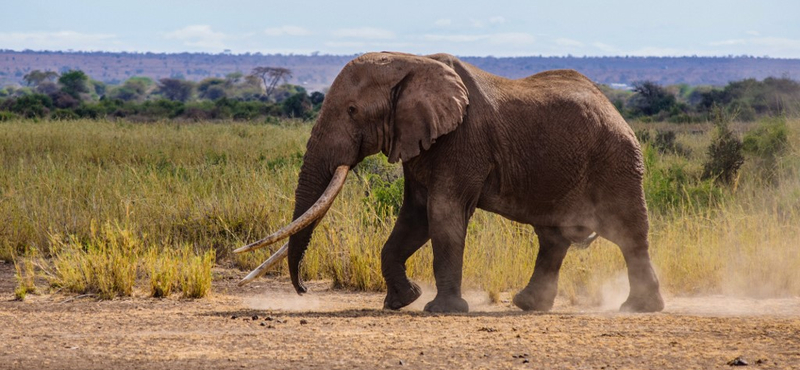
pixel 162 271
pixel 766 143
pixel 63 115
pixel 195 272
pixel 32 106
pixel 7 116
pixel 670 185
pixel 104 265
pixel 724 154
pixel 768 140
pixel 25 274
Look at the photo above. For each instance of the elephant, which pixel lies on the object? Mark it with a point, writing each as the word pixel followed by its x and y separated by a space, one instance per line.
pixel 547 150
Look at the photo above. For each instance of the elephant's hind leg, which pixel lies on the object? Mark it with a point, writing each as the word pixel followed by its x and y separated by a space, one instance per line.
pixel 628 229
pixel 541 291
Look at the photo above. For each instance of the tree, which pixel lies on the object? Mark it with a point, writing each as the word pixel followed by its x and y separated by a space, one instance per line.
pixel 212 88
pixel 175 89
pixel 270 76
pixel 135 88
pixel 297 106
pixel 36 77
pixel 650 98
pixel 74 83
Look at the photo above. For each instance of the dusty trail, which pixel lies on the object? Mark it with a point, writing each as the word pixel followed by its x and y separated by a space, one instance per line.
pixel 266 326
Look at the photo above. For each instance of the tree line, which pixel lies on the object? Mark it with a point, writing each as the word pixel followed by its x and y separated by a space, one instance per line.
pixel 745 100
pixel 263 94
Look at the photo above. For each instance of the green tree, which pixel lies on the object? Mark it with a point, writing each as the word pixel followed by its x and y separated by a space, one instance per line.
pixel 74 83
pixel 36 77
pixel 134 89
pixel 650 98
pixel 297 106
pixel 175 89
pixel 270 76
pixel 212 88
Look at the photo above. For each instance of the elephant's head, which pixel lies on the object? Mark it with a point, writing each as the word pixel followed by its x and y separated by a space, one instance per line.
pixel 393 103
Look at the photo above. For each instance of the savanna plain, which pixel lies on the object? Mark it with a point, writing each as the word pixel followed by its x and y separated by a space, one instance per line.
pixel 116 241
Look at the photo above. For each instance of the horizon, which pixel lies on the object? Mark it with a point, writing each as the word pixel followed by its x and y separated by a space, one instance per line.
pixel 317 54
pixel 712 28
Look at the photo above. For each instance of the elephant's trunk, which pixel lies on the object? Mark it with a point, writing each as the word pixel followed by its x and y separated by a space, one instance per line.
pixel 311 203
pixel 313 183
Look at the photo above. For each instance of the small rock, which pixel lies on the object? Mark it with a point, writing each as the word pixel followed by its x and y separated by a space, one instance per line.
pixel 487 329
pixel 401 363
pixel 268 318
pixel 233 317
pixel 526 361
pixel 263 324
pixel 255 317
pixel 303 322
pixel 421 353
pixel 739 361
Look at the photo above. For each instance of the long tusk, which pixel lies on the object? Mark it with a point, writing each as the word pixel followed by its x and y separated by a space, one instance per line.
pixel 312 214
pixel 271 261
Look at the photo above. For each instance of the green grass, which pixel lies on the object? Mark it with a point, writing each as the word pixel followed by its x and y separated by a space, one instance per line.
pixel 118 207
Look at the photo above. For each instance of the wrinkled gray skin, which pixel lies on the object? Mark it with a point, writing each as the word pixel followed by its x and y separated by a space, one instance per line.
pixel 548 150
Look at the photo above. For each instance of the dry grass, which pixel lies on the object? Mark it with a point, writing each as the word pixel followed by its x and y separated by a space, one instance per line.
pixel 195 192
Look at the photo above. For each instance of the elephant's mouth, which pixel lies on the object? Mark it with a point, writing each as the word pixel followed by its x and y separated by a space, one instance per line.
pixel 312 214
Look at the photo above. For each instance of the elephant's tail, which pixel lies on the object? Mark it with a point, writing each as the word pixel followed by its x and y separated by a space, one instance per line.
pixel 586 242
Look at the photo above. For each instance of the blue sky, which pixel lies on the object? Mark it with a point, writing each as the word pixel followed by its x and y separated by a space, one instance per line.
pixel 506 28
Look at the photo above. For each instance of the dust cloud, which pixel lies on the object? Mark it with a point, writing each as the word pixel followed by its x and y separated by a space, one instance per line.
pixel 284 301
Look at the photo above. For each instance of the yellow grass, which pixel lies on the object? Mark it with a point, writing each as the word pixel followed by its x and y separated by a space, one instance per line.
pixel 211 187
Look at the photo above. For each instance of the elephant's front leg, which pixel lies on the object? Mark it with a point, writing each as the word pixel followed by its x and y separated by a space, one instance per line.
pixel 448 229
pixel 409 234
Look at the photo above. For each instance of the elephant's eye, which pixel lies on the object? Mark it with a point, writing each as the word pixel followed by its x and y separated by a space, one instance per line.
pixel 351 110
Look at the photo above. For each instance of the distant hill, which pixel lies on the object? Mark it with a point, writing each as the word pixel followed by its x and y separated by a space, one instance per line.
pixel 316 72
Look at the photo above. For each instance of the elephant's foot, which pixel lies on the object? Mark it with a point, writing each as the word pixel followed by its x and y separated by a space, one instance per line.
pixel 527 301
pixel 397 298
pixel 447 304
pixel 650 303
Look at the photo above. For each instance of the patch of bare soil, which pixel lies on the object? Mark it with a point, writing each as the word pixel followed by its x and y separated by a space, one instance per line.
pixel 267 326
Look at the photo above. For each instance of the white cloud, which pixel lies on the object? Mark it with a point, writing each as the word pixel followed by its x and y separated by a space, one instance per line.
pixel 654 51
pixel 609 49
pixel 568 42
pixel 454 38
pixel 346 44
pixel 476 23
pixel 60 40
pixel 366 33
pixel 444 22
pixel 287 31
pixel 199 36
pixel 753 33
pixel 515 38
pixel 494 38
pixel 497 20
pixel 775 42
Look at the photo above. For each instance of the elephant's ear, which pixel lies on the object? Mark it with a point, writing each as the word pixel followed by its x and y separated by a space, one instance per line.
pixel 430 101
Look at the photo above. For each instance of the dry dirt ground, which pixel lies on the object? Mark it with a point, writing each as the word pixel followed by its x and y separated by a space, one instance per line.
pixel 267 326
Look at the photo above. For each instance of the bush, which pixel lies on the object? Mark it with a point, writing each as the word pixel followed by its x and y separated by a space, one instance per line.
pixel 670 185
pixel 7 116
pixel 64 115
pixel 32 106
pixel 724 154
pixel 766 143
pixel 768 140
